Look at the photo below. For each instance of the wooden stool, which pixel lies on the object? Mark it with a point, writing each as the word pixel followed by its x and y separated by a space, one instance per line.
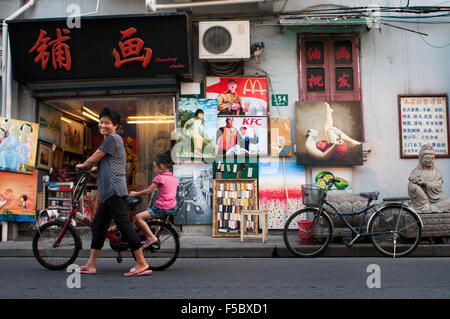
pixel 265 224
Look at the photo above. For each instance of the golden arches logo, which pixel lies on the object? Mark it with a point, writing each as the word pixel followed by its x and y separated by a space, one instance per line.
pixel 253 87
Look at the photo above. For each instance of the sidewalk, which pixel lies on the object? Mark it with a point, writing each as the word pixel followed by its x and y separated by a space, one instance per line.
pixel 209 247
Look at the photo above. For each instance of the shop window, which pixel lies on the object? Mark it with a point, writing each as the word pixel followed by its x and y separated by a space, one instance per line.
pixel 329 68
pixel 146 127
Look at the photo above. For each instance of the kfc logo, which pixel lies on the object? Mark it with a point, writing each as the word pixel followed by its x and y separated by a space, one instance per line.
pixel 251 121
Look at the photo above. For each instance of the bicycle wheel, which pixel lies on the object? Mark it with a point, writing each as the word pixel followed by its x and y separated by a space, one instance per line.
pixel 307 232
pixel 162 254
pixel 56 258
pixel 399 230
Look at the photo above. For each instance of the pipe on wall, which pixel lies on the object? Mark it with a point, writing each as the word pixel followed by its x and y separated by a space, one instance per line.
pixel 6 60
pixel 153 6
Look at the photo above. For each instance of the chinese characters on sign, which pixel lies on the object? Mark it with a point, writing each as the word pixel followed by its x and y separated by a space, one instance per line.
pixel 60 50
pixel 314 52
pixel 423 120
pixel 315 79
pixel 343 52
pixel 131 49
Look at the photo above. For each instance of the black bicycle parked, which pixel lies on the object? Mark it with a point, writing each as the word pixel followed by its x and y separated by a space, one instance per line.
pixel 394 227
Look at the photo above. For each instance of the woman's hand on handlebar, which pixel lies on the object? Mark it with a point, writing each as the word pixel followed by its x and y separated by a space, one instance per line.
pixel 80 167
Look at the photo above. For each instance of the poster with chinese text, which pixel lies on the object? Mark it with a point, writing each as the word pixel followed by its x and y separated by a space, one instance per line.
pixel 423 120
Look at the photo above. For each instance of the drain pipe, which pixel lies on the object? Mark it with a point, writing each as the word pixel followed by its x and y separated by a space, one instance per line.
pixel 6 81
pixel 6 61
pixel 153 7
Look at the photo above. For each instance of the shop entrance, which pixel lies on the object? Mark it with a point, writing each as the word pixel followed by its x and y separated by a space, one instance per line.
pixel 147 124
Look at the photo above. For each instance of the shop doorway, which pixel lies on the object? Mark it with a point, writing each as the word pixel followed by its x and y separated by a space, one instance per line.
pixel 147 124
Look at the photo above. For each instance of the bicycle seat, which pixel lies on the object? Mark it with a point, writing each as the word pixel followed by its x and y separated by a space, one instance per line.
pixel 370 195
pixel 133 200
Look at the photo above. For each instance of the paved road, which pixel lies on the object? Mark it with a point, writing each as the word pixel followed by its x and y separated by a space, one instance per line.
pixel 236 278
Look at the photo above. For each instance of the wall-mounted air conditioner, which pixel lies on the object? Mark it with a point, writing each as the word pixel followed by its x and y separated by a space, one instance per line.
pixel 224 40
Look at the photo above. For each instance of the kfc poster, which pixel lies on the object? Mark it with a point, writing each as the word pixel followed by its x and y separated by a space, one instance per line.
pixel 241 136
pixel 238 96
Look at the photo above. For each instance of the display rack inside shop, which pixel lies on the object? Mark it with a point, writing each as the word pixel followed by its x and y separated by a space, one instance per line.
pixel 230 197
pixel 58 195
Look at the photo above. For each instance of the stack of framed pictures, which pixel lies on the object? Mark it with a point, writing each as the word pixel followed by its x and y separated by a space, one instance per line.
pixel 230 197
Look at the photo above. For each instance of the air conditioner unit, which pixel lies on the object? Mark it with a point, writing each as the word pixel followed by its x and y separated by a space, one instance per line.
pixel 224 40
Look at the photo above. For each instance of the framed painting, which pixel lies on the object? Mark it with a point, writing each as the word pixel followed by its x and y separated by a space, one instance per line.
pixel 18 194
pixel 57 158
pixel 196 128
pixel 329 134
pixel 18 145
pixel 423 119
pixel 49 124
pixel 44 156
pixel 280 191
pixel 72 136
pixel 239 95
pixel 196 183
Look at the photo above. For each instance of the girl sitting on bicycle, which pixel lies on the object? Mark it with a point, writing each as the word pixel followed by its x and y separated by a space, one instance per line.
pixel 165 204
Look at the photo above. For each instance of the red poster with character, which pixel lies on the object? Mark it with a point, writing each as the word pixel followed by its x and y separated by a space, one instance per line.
pixel 238 96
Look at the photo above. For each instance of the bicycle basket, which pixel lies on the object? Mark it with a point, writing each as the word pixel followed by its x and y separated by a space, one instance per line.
pixel 312 195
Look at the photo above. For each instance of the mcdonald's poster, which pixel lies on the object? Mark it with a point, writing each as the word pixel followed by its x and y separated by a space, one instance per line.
pixel 18 145
pixel 329 134
pixel 280 189
pixel 241 136
pixel 18 196
pixel 196 128
pixel 238 96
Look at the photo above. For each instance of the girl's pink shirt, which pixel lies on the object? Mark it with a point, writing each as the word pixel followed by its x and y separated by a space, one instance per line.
pixel 167 190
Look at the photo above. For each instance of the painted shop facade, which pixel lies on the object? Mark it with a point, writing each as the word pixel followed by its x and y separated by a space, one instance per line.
pixel 254 100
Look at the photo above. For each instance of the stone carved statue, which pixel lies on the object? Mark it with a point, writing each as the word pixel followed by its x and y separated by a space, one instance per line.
pixel 425 185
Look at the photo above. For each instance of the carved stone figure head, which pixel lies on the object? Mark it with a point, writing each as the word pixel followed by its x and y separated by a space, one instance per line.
pixel 426 157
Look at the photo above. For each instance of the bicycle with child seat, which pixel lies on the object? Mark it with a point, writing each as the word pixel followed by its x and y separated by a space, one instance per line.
pixel 56 244
pixel 394 227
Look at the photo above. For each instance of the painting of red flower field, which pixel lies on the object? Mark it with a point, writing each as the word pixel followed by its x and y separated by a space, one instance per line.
pixel 280 189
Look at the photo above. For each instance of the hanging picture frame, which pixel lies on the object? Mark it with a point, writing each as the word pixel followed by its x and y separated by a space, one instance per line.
pixel 72 136
pixel 44 156
pixel 423 119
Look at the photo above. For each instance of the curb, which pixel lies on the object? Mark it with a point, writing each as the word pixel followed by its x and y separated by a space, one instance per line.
pixel 337 250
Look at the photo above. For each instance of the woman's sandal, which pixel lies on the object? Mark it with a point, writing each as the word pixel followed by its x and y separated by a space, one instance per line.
pixel 134 273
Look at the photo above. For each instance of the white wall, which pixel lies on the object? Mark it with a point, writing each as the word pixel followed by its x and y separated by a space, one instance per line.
pixel 393 62
pixel 402 60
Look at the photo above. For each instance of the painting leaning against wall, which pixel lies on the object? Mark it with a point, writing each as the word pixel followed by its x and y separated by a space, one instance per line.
pixel 18 196
pixel 280 189
pixel 329 134
pixel 18 144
